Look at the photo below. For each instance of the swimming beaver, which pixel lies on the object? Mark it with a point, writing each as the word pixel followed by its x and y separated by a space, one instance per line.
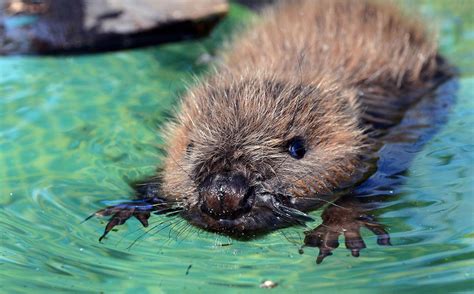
pixel 291 121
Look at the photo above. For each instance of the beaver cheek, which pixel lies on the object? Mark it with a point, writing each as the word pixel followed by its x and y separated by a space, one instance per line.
pixel 224 196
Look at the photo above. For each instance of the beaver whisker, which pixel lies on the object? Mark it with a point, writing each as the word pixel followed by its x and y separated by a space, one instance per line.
pixel 173 228
pixel 149 230
pixel 177 229
pixel 153 224
pixel 264 190
pixel 191 230
pixel 182 230
pixel 279 195
pixel 172 211
pixel 314 198
pixel 167 226
pixel 291 215
pixel 296 214
pixel 293 241
pixel 321 199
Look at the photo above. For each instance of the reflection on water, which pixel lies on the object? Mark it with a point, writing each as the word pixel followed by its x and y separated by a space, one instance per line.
pixel 76 130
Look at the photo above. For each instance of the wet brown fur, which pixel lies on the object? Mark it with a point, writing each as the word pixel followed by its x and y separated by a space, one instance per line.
pixel 328 71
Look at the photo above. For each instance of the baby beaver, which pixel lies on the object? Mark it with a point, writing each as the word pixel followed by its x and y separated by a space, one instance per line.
pixel 290 121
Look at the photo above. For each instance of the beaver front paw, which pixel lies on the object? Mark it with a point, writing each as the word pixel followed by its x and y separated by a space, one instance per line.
pixel 140 209
pixel 344 218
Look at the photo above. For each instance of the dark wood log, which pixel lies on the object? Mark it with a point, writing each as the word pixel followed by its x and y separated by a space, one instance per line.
pixel 83 26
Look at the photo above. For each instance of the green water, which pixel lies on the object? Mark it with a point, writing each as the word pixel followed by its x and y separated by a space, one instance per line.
pixel 75 130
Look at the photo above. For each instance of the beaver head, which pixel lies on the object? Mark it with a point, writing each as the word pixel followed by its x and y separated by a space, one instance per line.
pixel 248 154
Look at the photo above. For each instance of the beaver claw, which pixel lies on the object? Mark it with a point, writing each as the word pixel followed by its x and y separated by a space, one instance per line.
pixel 345 220
pixel 140 209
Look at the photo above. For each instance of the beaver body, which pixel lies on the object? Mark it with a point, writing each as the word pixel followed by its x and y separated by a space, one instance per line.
pixel 289 120
pixel 316 74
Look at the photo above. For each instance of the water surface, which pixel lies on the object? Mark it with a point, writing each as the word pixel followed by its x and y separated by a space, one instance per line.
pixel 75 130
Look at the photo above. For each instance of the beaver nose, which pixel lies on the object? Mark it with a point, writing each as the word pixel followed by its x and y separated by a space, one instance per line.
pixel 225 195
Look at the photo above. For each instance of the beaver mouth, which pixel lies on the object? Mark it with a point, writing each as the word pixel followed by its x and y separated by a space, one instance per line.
pixel 266 213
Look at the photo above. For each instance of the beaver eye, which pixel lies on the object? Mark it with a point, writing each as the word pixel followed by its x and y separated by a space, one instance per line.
pixel 296 148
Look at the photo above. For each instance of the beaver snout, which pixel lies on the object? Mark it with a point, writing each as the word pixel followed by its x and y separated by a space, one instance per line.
pixel 225 195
